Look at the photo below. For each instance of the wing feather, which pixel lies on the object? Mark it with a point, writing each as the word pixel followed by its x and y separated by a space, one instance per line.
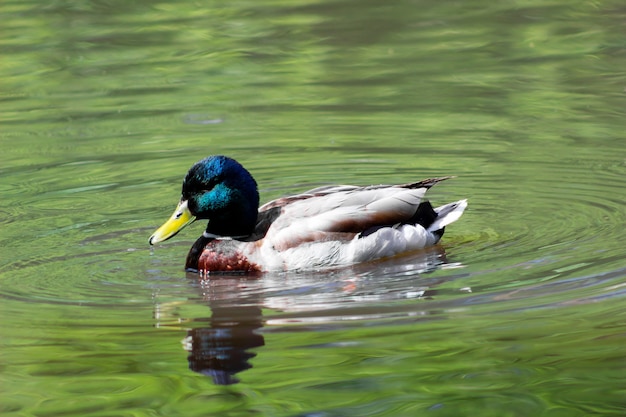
pixel 344 214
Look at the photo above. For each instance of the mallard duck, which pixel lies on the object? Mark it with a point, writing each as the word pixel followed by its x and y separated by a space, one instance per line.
pixel 329 226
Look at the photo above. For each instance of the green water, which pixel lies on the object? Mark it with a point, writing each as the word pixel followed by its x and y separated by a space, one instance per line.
pixel 104 105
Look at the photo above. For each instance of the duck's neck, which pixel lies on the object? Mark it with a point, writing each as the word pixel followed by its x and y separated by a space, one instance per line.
pixel 236 221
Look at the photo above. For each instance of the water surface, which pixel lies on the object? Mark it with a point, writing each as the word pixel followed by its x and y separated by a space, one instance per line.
pixel 519 312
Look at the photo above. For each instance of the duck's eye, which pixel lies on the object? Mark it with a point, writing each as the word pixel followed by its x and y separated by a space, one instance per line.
pixel 207 187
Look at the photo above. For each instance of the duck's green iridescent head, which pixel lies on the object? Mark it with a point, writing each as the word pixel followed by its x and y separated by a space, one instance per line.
pixel 217 189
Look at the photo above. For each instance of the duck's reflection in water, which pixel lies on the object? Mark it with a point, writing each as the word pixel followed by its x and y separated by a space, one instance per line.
pixel 225 347
pixel 222 349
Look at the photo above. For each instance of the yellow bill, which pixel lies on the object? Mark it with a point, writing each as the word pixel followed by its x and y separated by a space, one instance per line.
pixel 181 218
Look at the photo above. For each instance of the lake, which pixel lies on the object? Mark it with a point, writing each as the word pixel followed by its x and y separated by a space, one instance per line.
pixel 519 311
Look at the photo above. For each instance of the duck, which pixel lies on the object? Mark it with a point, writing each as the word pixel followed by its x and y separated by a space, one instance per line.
pixel 327 227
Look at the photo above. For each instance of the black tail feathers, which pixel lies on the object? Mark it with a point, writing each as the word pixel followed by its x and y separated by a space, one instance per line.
pixel 425 215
